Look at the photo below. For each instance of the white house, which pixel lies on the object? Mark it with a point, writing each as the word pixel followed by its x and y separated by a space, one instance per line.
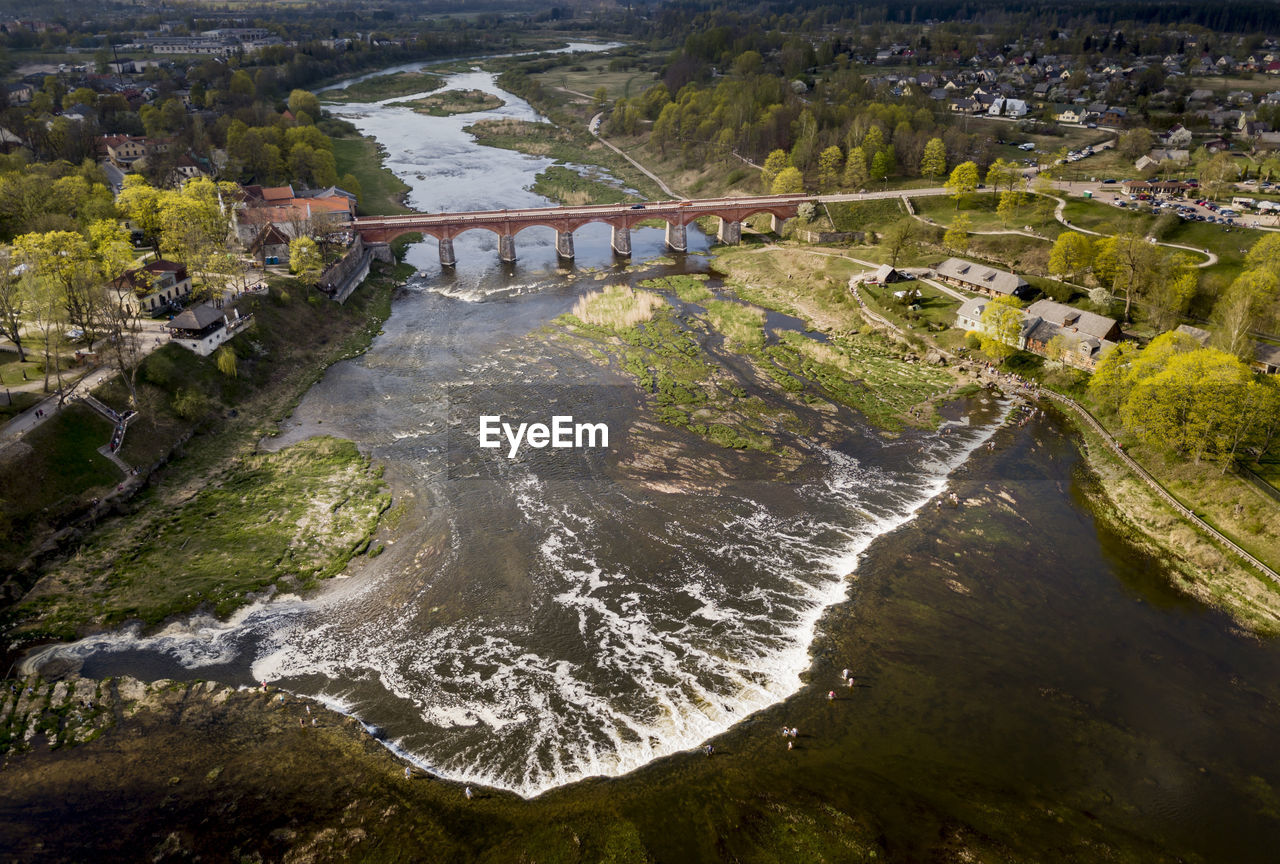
pixel 203 328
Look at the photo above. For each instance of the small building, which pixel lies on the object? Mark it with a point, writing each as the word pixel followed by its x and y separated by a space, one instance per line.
pixel 887 275
pixel 1266 358
pixel 1076 320
pixel 203 328
pixel 982 279
pixel 155 285
pixel 270 246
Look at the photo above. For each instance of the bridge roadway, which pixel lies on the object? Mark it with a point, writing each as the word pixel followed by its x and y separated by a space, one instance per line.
pixel 620 217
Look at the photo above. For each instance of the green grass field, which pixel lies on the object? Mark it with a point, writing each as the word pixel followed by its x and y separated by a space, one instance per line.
pixel 380 190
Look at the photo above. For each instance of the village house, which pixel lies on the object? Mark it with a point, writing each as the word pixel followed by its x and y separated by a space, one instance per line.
pixel 1082 337
pixel 203 328
pixel 293 213
pixel 154 286
pixel 982 279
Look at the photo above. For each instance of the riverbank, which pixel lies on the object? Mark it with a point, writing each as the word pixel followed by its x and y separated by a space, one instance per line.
pixel 382 193
pixel 197 443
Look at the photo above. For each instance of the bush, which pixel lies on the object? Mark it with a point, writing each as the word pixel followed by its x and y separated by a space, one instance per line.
pixel 190 404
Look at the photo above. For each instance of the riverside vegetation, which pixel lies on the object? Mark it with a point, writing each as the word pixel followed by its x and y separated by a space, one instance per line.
pixel 233 520
pixel 699 382
pixel 450 102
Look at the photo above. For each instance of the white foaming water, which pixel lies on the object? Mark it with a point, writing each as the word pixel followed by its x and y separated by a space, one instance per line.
pixel 610 665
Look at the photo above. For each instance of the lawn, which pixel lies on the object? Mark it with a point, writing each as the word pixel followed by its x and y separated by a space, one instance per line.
pixel 381 191
pixel 621 84
pixel 59 474
pixel 297 515
pixel 873 215
pixel 980 207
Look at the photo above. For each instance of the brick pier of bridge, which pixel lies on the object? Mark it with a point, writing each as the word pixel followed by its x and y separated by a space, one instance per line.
pixel 507 224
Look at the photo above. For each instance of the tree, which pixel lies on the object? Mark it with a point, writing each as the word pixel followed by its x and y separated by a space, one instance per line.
pixel 1001 174
pixel 1169 295
pixel 957 237
pixel 304 259
pixel 600 97
pixel 884 164
pixel 1055 351
pixel 898 238
pixel 774 164
pixel 963 181
pixel 1237 312
pixel 829 164
pixel 1001 328
pixel 856 173
pixel 873 142
pixel 118 313
pixel 139 201
pixel 304 101
pixel 1135 143
pixel 349 183
pixel 12 302
pixel 1217 173
pixel 933 164
pixel 1071 255
pixel 1196 404
pixel 1011 202
pixel 1109 384
pixel 789 181
pixel 226 361
pixel 1136 265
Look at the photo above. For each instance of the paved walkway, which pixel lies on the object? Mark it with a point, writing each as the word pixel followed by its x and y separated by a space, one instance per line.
pixel 1062 203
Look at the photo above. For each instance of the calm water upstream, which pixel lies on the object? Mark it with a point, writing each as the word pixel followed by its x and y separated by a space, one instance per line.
pixel 550 618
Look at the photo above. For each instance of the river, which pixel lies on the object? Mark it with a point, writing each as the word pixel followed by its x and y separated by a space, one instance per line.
pixel 559 616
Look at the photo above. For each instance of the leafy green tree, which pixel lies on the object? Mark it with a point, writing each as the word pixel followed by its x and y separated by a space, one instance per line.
pixel 956 237
pixel 1011 201
pixel 774 164
pixel 226 361
pixel 600 97
pixel 1071 256
pixel 1239 310
pixel 856 173
pixel 963 181
pixel 1135 143
pixel 1197 405
pixel 304 259
pixel 829 168
pixel 873 142
pixel 12 313
pixel 1109 384
pixel 884 164
pixel 304 101
pixel 1001 174
pixel 1001 328
pixel 933 164
pixel 789 181
pixel 1169 295
pixel 898 238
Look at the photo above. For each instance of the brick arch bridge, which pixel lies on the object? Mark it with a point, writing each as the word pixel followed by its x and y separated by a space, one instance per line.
pixel 565 220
